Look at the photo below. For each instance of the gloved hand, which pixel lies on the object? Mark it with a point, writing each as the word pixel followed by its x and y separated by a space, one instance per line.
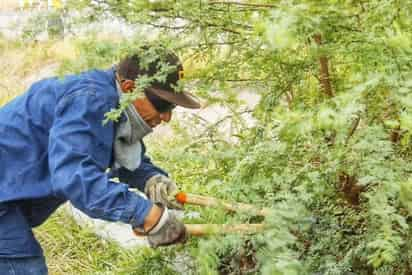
pixel 161 189
pixel 167 231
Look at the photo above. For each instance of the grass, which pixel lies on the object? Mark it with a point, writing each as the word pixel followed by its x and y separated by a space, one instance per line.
pixel 18 61
pixel 11 5
pixel 7 5
pixel 71 249
pixel 21 62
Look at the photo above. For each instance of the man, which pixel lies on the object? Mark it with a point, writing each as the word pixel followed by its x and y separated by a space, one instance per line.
pixel 55 148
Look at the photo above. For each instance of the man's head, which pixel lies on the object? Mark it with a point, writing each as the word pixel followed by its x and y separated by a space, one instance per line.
pixel 161 97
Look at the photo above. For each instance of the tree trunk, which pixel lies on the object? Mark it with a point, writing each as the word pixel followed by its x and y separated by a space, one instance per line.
pixel 324 70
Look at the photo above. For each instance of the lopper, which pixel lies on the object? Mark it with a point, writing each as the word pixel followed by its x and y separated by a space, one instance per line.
pixel 206 229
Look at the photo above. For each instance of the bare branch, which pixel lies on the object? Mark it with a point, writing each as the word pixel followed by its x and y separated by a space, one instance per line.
pixel 324 70
pixel 353 128
pixel 242 4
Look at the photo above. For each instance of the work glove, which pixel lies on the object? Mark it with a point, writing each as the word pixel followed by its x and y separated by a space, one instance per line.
pixel 167 231
pixel 161 189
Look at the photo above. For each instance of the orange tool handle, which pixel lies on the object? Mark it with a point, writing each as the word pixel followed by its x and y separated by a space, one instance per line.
pixel 186 198
pixel 213 229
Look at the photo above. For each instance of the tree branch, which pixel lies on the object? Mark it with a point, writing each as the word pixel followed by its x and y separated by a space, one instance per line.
pixel 242 4
pixel 353 128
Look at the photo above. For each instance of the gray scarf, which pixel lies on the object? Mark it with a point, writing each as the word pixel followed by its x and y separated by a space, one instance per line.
pixel 127 142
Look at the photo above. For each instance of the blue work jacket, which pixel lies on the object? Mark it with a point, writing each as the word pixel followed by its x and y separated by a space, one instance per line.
pixel 53 148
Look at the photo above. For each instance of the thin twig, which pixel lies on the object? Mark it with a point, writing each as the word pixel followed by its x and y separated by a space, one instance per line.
pixel 353 128
pixel 208 130
pixel 214 125
pixel 246 80
pixel 242 4
pixel 200 118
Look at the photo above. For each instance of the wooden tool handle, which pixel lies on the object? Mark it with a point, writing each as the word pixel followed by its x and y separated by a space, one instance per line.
pixel 211 229
pixel 186 198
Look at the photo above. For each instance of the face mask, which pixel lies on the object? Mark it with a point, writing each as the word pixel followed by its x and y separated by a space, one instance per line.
pixel 127 143
pixel 139 127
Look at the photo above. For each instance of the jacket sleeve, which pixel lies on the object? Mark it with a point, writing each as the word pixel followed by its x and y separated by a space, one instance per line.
pixel 79 153
pixel 137 178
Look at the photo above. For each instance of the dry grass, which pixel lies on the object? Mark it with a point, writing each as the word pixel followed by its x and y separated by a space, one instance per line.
pixel 12 5
pixel 9 5
pixel 17 65
pixel 22 64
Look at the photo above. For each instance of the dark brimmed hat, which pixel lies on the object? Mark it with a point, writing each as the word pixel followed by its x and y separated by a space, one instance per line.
pixel 184 99
pixel 130 68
